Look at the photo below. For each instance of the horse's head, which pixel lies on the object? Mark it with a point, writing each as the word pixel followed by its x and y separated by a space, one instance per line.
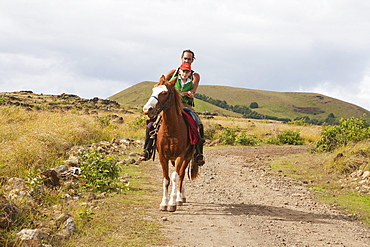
pixel 164 96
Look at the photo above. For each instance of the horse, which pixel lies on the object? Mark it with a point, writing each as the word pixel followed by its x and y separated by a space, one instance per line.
pixel 172 142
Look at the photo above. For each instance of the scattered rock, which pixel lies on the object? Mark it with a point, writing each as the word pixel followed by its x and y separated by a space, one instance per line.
pixel 62 218
pixel 31 237
pixel 70 225
pixel 366 175
pixel 52 178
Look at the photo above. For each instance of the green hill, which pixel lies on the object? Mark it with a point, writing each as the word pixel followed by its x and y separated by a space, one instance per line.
pixel 277 104
pixel 138 95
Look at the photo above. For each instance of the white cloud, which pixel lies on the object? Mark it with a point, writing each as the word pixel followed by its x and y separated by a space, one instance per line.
pixel 97 48
pixel 359 93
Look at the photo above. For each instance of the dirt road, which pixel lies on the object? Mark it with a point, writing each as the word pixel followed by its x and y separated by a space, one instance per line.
pixel 237 202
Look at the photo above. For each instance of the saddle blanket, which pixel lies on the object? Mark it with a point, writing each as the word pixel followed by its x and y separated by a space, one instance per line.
pixel 192 128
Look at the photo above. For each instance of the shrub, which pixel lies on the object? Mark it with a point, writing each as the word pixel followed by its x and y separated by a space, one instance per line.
pixel 138 123
pixel 243 139
pixel 253 105
pixel 99 171
pixel 103 121
pixel 290 137
pixel 351 129
pixel 228 136
pixel 35 183
pixel 300 122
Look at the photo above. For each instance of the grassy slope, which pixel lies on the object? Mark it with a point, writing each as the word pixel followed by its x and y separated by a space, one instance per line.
pixel 278 104
pixel 138 95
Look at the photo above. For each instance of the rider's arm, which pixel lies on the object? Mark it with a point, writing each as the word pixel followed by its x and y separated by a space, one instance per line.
pixel 196 79
pixel 169 74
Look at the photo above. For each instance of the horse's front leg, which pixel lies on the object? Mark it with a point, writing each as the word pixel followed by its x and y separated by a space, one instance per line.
pixel 173 196
pixel 164 203
pixel 165 184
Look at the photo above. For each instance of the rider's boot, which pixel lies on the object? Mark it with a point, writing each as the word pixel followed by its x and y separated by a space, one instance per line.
pixel 148 146
pixel 199 158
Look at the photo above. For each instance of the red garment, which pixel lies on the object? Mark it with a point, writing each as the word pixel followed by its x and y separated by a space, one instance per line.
pixel 192 128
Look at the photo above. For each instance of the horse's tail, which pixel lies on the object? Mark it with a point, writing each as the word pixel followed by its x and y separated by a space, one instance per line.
pixel 194 170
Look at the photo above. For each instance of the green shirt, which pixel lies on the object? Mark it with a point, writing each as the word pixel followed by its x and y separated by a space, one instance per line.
pixel 183 88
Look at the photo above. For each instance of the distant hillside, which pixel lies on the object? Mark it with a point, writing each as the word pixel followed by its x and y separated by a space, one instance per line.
pixel 138 95
pixel 62 102
pixel 278 104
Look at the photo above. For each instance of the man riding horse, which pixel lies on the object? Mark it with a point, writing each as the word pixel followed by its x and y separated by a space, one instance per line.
pixel 187 82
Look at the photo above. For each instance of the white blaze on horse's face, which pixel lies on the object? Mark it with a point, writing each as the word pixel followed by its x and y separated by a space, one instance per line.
pixel 153 100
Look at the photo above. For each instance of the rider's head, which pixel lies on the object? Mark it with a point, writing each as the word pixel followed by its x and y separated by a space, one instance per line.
pixel 187 56
pixel 185 70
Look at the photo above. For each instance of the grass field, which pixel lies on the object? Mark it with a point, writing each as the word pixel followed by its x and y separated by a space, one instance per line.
pixel 38 140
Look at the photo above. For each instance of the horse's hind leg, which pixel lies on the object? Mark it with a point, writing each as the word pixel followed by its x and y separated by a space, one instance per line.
pixel 181 198
pixel 181 191
pixel 173 196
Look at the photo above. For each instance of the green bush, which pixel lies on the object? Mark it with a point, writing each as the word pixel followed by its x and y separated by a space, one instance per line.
pixel 290 137
pixel 300 122
pixel 235 136
pixel 138 123
pixel 103 121
pixel 243 139
pixel 228 136
pixel 99 171
pixel 272 140
pixel 35 183
pixel 351 129
pixel 253 105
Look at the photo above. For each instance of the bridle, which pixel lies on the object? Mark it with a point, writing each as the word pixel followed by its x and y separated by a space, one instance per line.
pixel 164 106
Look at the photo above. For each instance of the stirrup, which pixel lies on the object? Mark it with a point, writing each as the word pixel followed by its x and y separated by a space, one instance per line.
pixel 199 160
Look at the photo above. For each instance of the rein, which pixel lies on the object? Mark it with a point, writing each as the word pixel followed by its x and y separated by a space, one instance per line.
pixel 163 105
pixel 158 122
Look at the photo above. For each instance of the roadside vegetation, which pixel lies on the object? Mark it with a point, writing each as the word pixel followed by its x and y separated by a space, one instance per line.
pixel 32 141
pixel 337 168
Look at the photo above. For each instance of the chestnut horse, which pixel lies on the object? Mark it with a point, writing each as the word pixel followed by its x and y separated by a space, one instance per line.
pixel 172 141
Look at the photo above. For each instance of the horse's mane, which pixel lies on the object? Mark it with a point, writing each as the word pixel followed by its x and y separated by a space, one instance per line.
pixel 176 94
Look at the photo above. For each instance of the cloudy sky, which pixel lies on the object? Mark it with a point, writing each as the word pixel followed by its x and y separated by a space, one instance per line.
pixel 97 48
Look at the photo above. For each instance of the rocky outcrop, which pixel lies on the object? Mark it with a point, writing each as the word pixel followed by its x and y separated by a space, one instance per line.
pixel 359 180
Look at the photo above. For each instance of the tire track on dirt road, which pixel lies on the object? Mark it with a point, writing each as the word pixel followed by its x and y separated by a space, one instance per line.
pixel 236 201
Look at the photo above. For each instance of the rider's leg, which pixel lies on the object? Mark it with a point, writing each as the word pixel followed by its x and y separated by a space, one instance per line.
pixel 148 144
pixel 199 158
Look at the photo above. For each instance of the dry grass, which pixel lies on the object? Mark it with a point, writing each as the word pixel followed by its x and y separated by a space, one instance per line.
pixel 39 139
pixel 350 158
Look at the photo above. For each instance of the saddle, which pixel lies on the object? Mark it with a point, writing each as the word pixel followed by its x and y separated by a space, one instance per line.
pixel 192 127
pixel 191 121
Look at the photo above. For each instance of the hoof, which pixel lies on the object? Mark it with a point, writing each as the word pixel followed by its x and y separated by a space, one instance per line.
pixel 171 208
pixel 184 200
pixel 163 208
pixel 179 203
